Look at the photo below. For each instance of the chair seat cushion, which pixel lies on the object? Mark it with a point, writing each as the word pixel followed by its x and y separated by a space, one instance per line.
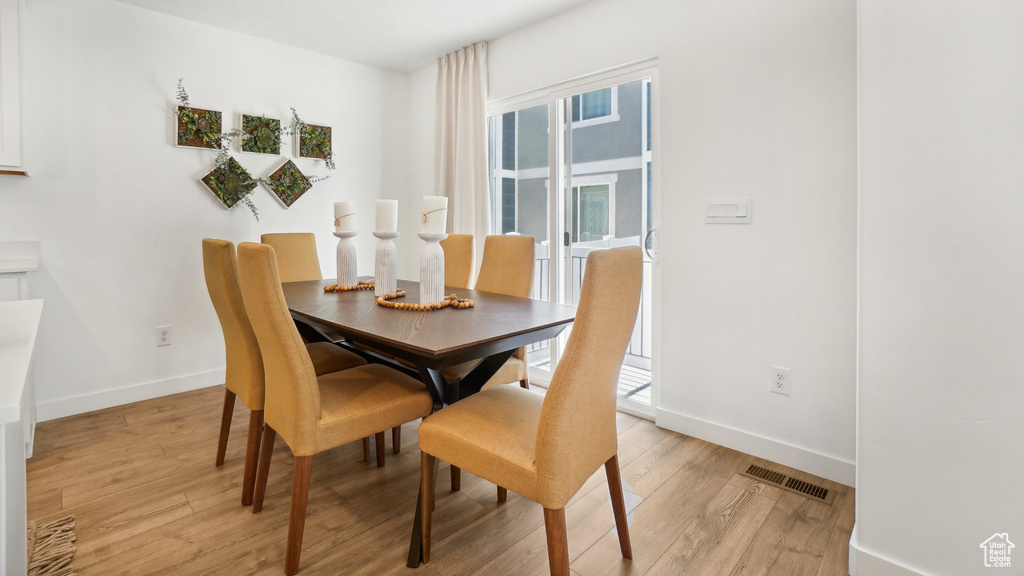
pixel 513 370
pixel 364 400
pixel 328 358
pixel 492 434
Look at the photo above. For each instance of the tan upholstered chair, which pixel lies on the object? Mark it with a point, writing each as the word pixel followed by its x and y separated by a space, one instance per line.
pixel 458 259
pixel 296 255
pixel 545 447
pixel 243 375
pixel 507 268
pixel 312 413
pixel 298 262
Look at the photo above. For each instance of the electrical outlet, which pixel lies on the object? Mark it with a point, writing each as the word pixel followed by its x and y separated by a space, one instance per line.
pixel 782 380
pixel 163 335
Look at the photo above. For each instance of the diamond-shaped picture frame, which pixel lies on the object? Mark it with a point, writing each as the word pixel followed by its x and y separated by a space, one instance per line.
pixel 287 183
pixel 229 182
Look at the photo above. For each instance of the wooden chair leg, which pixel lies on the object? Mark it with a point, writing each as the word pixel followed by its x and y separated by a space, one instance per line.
pixel 456 478
pixel 502 494
pixel 396 439
pixel 225 425
pixel 297 519
pixel 366 449
pixel 252 448
pixel 558 542
pixel 426 501
pixel 611 469
pixel 379 439
pixel 266 451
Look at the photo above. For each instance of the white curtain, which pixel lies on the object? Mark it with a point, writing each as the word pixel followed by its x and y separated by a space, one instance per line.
pixel 460 141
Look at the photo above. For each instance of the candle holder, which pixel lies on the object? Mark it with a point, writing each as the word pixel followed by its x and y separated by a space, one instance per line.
pixel 385 264
pixel 347 275
pixel 432 269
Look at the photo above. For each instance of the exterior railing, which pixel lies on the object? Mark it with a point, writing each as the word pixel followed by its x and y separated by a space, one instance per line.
pixel 638 353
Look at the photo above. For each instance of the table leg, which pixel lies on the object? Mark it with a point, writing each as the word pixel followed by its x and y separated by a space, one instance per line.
pixel 416 543
pixel 435 384
pixel 472 382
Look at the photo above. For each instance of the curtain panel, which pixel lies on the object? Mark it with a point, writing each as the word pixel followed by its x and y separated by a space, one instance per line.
pixel 460 141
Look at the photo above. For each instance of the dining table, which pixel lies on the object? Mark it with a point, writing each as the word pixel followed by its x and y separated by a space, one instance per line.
pixel 422 343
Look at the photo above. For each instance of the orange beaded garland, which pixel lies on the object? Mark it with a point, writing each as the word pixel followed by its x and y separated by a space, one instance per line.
pixel 360 286
pixel 451 300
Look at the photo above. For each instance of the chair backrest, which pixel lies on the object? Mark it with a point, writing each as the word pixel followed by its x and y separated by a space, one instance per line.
pixel 507 266
pixel 244 365
pixel 293 395
pixel 458 259
pixel 576 433
pixel 296 255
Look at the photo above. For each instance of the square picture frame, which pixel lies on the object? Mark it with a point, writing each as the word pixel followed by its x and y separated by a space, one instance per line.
pixel 198 127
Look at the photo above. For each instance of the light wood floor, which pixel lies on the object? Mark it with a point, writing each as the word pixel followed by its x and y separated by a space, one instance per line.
pixel 141 481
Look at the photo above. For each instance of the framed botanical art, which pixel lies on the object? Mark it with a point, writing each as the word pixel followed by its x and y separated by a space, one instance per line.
pixel 287 183
pixel 198 128
pixel 229 182
pixel 314 141
pixel 261 135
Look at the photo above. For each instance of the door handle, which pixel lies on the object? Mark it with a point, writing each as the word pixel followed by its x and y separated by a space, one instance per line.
pixel 646 238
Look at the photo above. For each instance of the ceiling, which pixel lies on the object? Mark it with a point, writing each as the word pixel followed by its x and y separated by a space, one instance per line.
pixel 400 35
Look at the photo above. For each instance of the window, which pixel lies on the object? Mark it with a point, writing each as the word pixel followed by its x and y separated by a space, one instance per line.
pixel 596 107
pixel 590 213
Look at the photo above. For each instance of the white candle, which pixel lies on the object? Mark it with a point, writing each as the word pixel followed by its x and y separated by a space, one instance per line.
pixel 387 216
pixel 344 217
pixel 434 219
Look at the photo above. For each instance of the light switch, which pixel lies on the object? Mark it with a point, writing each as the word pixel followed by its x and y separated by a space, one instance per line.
pixel 727 211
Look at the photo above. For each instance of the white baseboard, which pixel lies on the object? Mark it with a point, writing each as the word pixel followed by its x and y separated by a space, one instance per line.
pixel 53 409
pixel 866 563
pixel 823 465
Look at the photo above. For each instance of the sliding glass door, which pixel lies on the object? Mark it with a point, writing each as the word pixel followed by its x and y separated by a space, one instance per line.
pixel 574 172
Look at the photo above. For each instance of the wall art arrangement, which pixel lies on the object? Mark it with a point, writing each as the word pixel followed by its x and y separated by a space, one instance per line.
pixel 263 135
pixel 229 181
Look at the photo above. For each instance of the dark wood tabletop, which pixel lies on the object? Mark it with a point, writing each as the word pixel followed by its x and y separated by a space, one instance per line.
pixel 430 340
pixel 436 338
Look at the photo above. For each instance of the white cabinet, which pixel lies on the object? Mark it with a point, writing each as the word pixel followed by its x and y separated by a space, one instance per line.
pixel 11 100
pixel 19 323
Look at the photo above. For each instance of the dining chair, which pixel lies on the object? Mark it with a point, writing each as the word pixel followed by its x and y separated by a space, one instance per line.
pixel 545 447
pixel 243 374
pixel 296 255
pixel 312 413
pixel 298 262
pixel 507 268
pixel 458 259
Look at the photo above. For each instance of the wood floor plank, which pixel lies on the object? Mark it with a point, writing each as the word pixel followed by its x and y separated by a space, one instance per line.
pixel 649 471
pixel 148 500
pixel 710 544
pixel 587 520
pixel 644 434
pixel 836 559
pixel 664 515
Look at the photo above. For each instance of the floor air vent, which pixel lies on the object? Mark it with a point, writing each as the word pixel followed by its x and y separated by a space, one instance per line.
pixel 814 491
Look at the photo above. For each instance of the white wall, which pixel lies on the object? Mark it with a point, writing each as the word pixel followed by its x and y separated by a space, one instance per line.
pixel 119 209
pixel 420 169
pixel 756 99
pixel 942 318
